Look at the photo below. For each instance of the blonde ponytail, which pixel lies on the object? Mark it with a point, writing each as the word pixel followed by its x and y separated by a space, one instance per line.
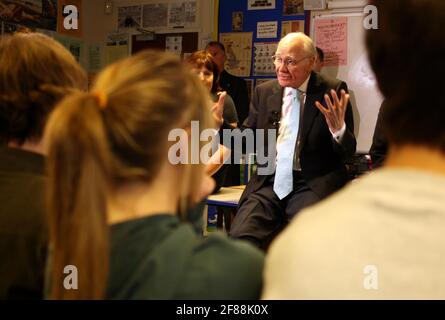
pixel 78 167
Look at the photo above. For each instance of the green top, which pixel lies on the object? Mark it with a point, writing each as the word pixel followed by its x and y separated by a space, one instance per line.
pixel 23 230
pixel 158 257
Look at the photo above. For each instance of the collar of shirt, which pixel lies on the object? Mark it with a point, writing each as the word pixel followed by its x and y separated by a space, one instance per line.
pixel 302 88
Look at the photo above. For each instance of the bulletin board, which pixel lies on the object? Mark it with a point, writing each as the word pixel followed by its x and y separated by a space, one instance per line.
pixel 264 25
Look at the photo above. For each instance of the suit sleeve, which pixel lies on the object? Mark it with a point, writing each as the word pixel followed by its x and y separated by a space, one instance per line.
pixel 243 101
pixel 379 147
pixel 252 119
pixel 348 144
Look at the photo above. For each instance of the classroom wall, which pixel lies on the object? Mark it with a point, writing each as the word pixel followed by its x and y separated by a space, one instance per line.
pixel 98 25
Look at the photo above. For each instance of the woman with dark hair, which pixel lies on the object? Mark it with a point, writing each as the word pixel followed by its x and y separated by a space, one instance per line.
pixel 202 64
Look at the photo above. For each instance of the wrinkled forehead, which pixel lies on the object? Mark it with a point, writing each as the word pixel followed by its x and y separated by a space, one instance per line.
pixel 291 47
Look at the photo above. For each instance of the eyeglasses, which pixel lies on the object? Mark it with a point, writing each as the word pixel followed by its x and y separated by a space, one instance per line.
pixel 288 61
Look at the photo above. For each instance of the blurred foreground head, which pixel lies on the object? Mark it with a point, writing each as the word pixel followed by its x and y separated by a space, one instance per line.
pixel 118 135
pixel 36 72
pixel 407 53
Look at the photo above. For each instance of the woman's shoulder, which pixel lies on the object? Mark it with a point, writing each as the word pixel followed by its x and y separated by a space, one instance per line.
pixel 221 268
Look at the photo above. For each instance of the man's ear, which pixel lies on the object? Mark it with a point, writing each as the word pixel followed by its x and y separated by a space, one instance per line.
pixel 311 63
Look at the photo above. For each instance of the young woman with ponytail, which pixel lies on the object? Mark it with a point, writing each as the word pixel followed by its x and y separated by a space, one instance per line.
pixel 116 203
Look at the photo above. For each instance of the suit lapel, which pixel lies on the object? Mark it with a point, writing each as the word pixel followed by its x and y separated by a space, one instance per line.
pixel 310 109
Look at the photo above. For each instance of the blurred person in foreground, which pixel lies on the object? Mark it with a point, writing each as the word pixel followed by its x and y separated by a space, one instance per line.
pixel 36 72
pixel 383 236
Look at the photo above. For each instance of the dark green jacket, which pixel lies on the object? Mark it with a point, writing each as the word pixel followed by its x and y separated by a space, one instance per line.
pixel 23 233
pixel 158 257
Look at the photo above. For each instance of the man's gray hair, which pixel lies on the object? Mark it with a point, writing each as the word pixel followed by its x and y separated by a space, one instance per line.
pixel 308 44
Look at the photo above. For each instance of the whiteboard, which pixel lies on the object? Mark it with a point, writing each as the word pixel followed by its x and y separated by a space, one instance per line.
pixel 365 96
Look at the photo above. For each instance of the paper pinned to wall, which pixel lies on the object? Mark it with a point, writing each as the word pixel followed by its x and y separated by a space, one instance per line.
pixel 263 65
pixel 267 29
pixel 331 36
pixel 155 15
pixel 129 17
pixel 94 58
pixel 183 14
pixel 239 52
pixel 260 4
pixel 174 44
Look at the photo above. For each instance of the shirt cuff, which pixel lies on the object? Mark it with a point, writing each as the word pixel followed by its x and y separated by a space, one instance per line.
pixel 338 135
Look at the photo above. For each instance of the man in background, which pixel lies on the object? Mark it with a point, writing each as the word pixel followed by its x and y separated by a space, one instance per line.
pixel 236 88
pixel 233 85
pixel 319 60
pixel 315 134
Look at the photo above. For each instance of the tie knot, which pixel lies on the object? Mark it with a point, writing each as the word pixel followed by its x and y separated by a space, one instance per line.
pixel 291 93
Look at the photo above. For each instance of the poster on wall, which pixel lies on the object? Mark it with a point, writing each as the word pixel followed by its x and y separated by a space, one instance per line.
pixel 155 15
pixel 30 13
pixel 237 21
pixel 61 16
pixel 239 52
pixel 260 4
pixel 182 14
pixel 267 29
pixel 332 37
pixel 293 7
pixel 263 52
pixel 94 58
pixel 129 17
pixel 291 26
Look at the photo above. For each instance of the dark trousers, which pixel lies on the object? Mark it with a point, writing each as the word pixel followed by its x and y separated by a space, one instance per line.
pixel 261 215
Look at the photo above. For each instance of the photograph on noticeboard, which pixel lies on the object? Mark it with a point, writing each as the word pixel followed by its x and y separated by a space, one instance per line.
pixel 293 7
pixel 237 21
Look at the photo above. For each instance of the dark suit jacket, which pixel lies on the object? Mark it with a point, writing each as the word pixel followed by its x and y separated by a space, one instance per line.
pixel 237 89
pixel 379 147
pixel 321 158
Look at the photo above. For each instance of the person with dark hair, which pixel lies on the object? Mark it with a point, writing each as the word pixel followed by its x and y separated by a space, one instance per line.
pixel 36 72
pixel 233 85
pixel 205 68
pixel 319 60
pixel 382 237
pixel 118 197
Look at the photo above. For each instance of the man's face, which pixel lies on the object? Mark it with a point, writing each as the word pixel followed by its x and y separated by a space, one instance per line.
pixel 292 64
pixel 219 56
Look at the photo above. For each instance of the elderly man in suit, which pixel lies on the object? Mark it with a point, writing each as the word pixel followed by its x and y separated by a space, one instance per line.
pixel 313 118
